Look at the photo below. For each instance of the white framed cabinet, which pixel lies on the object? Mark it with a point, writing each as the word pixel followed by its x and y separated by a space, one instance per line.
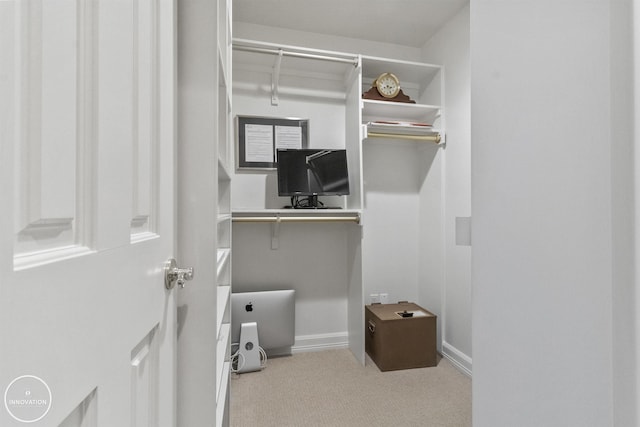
pixel 223 220
pixel 204 210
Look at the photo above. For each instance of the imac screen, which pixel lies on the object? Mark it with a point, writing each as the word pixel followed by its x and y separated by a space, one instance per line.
pixel 274 313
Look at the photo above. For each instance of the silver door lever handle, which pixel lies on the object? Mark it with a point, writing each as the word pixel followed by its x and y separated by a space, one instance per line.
pixel 173 274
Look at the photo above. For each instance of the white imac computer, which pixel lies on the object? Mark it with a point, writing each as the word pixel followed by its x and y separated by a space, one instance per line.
pixel 274 314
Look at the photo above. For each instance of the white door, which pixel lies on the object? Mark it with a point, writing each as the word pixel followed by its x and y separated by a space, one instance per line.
pixel 87 328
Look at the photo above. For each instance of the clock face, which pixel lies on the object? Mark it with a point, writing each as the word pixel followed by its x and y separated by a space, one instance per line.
pixel 388 85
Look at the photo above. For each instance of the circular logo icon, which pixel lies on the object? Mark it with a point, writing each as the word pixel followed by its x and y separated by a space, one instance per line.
pixel 27 399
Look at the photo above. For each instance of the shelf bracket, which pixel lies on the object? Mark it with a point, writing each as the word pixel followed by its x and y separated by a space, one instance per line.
pixel 275 78
pixel 275 233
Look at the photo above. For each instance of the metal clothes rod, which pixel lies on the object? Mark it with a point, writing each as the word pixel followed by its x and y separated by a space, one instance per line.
pixel 434 138
pixel 279 219
pixel 352 61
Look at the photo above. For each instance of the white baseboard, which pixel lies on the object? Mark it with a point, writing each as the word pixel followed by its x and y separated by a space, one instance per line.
pixel 319 342
pixel 457 358
pixel 340 340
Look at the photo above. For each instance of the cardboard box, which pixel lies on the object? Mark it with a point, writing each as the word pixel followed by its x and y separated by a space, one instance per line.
pixel 396 342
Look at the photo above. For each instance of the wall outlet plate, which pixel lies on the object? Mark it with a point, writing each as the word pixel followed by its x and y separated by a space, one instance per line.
pixel 384 298
pixel 374 299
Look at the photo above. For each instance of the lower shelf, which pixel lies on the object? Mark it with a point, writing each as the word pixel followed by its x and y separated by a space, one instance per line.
pixel 222 357
pixel 293 215
pixel 223 392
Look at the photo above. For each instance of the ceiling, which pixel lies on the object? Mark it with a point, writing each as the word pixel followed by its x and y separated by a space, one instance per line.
pixel 404 22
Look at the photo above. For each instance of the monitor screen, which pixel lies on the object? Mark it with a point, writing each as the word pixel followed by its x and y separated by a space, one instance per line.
pixel 312 172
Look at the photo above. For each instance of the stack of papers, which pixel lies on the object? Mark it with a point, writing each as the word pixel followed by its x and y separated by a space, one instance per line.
pixel 402 128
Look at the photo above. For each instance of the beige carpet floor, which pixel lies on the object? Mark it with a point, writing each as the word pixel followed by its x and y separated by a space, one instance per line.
pixel 330 388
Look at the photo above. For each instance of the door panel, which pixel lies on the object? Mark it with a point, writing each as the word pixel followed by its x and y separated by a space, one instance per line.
pixel 87 123
pixel 47 94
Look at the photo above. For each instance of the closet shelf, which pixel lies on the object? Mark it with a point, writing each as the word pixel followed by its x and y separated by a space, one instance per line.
pixel 223 258
pixel 222 394
pixel 223 350
pixel 408 71
pixel 294 71
pixel 224 293
pixel 223 170
pixel 222 217
pixel 280 216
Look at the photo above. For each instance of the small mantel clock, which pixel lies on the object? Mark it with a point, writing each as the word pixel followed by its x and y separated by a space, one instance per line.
pixel 386 87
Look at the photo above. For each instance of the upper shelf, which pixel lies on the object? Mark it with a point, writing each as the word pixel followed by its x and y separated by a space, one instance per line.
pixel 414 72
pixel 293 60
pixel 420 81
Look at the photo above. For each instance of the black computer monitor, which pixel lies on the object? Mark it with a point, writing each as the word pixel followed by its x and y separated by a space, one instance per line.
pixel 311 173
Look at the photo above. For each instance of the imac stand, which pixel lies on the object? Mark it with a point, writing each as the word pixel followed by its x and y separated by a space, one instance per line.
pixel 249 348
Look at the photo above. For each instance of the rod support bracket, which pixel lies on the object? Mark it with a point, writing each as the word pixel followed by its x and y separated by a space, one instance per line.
pixel 275 78
pixel 275 233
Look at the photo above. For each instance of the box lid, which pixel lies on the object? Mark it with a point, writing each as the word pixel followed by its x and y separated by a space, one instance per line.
pixel 393 311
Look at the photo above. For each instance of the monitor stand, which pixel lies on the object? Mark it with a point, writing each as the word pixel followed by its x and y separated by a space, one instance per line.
pixel 309 202
pixel 312 203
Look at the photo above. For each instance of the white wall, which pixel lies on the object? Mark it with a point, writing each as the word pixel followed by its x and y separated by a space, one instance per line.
pixel 631 407
pixel 625 353
pixel 548 214
pixel 394 174
pixel 446 277
pixel 243 30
